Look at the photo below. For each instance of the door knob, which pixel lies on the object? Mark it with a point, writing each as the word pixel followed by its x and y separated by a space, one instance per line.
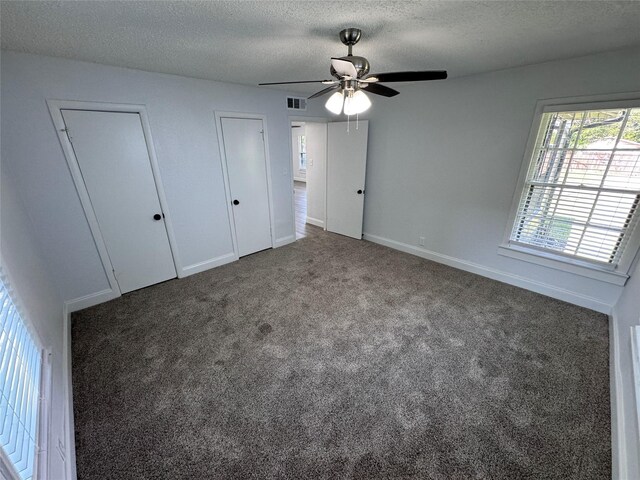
pixel 359 192
pixel 157 216
pixel 236 202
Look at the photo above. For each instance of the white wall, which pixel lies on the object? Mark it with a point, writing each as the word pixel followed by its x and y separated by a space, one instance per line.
pixel 316 172
pixel 625 428
pixel 444 159
pixel 299 130
pixel 443 162
pixel 181 115
pixel 35 287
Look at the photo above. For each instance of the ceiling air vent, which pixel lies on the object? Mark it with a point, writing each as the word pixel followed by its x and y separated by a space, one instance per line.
pixel 296 103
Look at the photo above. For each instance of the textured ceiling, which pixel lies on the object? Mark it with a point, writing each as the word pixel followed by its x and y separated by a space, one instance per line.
pixel 251 42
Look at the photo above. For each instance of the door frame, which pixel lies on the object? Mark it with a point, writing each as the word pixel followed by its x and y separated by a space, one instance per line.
pixel 296 118
pixel 55 109
pixel 219 115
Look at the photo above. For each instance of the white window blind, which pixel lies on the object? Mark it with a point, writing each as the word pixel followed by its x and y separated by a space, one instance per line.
pixel 582 190
pixel 20 367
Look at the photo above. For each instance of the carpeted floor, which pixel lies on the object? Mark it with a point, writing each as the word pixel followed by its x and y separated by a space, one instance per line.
pixel 333 358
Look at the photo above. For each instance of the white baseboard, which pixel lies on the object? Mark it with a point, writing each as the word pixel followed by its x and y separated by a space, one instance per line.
pixel 511 279
pixel 207 264
pixel 618 444
pixel 90 300
pixel 282 241
pixel 315 221
pixel 70 440
pixel 108 294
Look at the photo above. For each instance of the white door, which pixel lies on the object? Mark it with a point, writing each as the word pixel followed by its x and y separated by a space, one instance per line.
pixel 346 167
pixel 247 170
pixel 112 155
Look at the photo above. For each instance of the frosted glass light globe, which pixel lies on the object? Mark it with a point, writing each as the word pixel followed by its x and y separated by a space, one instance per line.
pixel 334 104
pixel 357 103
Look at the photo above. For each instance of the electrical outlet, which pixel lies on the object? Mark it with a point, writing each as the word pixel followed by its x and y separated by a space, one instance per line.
pixel 421 241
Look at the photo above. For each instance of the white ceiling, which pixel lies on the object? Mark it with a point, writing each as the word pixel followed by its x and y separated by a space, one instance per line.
pixel 251 42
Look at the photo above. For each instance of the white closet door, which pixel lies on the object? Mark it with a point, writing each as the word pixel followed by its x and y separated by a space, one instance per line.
pixel 247 171
pixel 346 168
pixel 112 155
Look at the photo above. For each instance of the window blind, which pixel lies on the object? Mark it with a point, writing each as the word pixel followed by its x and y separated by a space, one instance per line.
pixel 582 191
pixel 21 361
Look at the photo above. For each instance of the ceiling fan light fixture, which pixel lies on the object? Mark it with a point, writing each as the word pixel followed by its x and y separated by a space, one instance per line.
pixel 351 73
pixel 335 102
pixel 356 103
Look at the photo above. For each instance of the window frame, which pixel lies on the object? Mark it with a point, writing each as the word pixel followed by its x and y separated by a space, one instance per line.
pixel 302 155
pixel 41 461
pixel 635 353
pixel 617 274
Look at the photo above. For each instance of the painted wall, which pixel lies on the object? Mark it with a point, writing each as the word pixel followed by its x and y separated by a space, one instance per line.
pixel 626 314
pixel 444 159
pixel 443 162
pixel 35 288
pixel 296 132
pixel 181 115
pixel 316 172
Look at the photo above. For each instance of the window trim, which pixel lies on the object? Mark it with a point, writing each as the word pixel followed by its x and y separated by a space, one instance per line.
pixel 617 275
pixel 635 353
pixel 43 429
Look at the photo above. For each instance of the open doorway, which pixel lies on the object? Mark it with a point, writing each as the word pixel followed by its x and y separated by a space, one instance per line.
pixel 299 159
pixel 308 157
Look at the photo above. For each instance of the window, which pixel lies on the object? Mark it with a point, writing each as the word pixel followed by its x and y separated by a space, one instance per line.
pixel 580 200
pixel 302 148
pixel 21 362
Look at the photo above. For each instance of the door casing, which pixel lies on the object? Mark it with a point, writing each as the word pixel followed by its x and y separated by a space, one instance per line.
pixel 55 107
pixel 227 186
pixel 293 202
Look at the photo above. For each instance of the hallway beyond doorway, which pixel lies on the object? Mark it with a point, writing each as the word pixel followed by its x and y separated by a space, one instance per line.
pixel 300 196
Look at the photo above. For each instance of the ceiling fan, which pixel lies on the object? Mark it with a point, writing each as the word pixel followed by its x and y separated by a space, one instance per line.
pixel 352 79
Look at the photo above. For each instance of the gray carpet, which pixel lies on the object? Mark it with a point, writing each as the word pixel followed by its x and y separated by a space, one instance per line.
pixel 332 358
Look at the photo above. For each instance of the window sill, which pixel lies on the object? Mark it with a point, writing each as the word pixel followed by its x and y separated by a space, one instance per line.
pixel 563 264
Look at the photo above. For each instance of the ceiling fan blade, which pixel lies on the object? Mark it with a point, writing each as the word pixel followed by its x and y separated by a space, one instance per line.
pixel 302 81
pixel 380 90
pixel 410 76
pixel 323 92
pixel 344 68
